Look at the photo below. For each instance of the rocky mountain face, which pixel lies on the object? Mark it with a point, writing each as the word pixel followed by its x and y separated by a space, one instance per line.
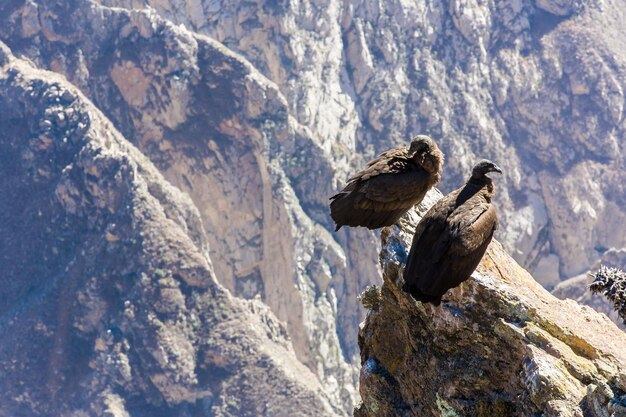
pixel 535 85
pixel 500 346
pixel 110 305
pixel 256 112
pixel 220 131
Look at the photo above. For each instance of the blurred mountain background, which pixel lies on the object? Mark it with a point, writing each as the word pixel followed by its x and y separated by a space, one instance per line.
pixel 169 162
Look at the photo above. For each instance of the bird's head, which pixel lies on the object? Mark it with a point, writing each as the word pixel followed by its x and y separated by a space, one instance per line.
pixel 484 167
pixel 420 145
pixel 425 152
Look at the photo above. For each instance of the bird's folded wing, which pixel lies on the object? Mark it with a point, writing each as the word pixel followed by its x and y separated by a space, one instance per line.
pixel 393 191
pixel 432 234
pixel 392 161
pixel 430 243
pixel 475 227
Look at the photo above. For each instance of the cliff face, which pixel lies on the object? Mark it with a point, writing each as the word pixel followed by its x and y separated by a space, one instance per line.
pixel 258 110
pixel 221 132
pixel 537 86
pixel 501 346
pixel 109 301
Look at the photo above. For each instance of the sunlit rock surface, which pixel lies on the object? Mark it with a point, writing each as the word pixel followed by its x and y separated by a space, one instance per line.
pixel 500 346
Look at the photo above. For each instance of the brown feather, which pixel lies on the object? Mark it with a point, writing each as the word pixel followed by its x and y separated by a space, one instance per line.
pixel 450 241
pixel 390 185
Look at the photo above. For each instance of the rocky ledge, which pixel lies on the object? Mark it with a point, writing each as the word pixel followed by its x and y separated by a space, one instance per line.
pixel 500 346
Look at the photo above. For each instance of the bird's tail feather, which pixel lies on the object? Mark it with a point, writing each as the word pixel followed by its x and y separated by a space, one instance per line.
pixel 344 211
pixel 420 296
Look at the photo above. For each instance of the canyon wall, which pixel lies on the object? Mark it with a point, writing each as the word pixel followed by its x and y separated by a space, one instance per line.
pixel 109 301
pixel 258 111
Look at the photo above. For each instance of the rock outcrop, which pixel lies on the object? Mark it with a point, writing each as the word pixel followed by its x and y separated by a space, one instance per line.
pixel 109 303
pixel 500 346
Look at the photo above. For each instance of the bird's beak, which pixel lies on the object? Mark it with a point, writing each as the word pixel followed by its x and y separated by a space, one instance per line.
pixel 415 152
pixel 496 169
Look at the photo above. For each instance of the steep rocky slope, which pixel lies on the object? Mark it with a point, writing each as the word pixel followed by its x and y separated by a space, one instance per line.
pixel 109 302
pixel 501 346
pixel 222 133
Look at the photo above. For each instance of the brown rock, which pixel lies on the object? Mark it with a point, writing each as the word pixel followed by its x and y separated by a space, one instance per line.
pixel 502 346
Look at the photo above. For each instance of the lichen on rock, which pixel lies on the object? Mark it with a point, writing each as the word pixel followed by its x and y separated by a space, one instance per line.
pixel 371 297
